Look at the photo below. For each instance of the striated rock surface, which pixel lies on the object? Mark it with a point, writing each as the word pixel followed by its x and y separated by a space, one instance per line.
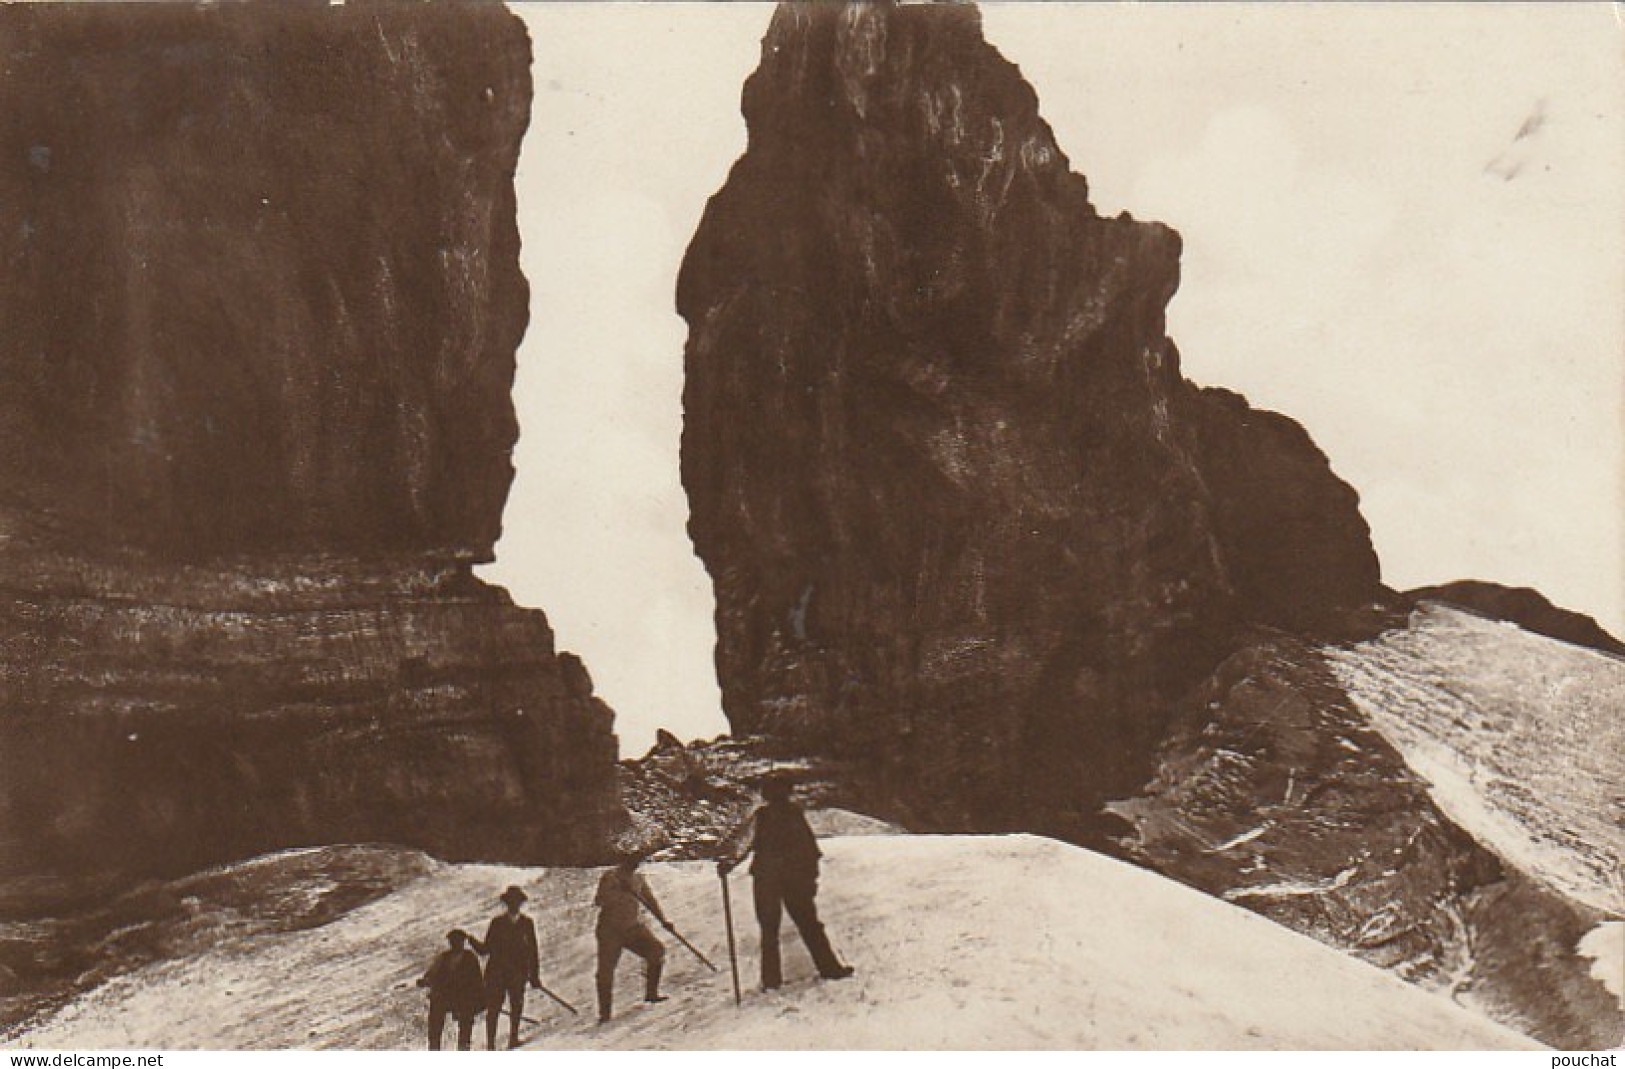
pixel 262 289
pixel 260 303
pixel 1277 789
pixel 965 520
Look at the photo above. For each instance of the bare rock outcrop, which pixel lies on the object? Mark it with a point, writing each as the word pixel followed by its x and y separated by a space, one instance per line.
pixel 1529 609
pixel 261 298
pixel 965 519
pixel 1274 790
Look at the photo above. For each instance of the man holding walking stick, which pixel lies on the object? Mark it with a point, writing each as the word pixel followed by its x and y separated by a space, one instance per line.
pixel 784 878
pixel 623 894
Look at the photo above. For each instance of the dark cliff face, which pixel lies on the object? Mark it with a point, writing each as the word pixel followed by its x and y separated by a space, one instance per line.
pixel 1295 544
pixel 260 303
pixel 961 511
pixel 262 289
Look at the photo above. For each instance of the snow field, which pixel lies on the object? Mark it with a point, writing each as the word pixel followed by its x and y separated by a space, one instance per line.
pixel 960 942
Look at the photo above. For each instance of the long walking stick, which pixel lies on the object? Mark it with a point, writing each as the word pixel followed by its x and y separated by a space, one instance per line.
pixel 522 1017
pixel 728 919
pixel 675 934
pixel 544 989
pixel 672 928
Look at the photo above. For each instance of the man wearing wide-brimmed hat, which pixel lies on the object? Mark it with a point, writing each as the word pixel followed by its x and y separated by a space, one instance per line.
pixel 784 876
pixel 513 960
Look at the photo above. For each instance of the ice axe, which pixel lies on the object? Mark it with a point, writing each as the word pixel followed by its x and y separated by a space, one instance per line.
pixel 675 934
pixel 728 920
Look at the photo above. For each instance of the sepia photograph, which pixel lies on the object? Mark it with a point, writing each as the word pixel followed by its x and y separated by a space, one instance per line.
pixel 827 525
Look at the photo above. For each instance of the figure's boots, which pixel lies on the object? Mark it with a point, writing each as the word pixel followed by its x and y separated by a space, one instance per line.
pixel 606 1000
pixel 771 977
pixel 651 981
pixel 823 955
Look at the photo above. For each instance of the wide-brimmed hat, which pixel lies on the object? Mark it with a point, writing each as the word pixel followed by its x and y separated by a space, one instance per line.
pixel 513 894
pixel 789 771
pixel 776 781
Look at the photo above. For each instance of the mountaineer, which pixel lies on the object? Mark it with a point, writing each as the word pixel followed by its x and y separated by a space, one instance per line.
pixel 513 960
pixel 456 987
pixel 784 878
pixel 623 895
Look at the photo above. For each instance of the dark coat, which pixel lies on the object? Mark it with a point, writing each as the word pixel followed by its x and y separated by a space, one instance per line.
pixel 785 846
pixel 510 946
pixel 454 981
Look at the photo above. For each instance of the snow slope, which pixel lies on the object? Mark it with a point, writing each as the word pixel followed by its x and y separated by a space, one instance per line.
pixel 1521 737
pixel 960 942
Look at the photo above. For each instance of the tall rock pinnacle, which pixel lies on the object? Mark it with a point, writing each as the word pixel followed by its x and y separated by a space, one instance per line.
pixel 966 521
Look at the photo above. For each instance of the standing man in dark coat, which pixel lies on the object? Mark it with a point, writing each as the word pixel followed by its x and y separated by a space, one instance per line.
pixel 510 945
pixel 623 895
pixel 784 878
pixel 455 987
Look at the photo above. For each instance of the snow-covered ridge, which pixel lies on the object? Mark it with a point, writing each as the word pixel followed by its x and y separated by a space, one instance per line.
pixel 960 942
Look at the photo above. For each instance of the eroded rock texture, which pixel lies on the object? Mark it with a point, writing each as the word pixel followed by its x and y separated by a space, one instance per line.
pixel 964 517
pixel 1274 790
pixel 260 303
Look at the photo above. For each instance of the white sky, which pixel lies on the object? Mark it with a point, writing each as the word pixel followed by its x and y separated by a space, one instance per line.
pixel 1355 257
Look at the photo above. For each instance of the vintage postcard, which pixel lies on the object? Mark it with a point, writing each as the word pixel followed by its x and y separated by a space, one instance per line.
pixel 843 525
